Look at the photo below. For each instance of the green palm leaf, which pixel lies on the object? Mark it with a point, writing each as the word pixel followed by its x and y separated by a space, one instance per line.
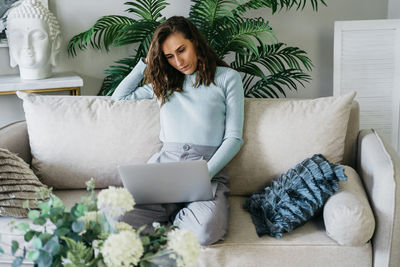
pixel 207 14
pixel 116 73
pixel 104 32
pixel 274 83
pixel 283 64
pixel 138 32
pixel 277 5
pixel 242 35
pixel 147 9
pixel 274 58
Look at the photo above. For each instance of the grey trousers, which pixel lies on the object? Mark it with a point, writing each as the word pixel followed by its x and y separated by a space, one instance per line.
pixel 208 220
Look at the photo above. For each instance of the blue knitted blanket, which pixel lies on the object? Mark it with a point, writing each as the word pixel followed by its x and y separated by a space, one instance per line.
pixel 295 197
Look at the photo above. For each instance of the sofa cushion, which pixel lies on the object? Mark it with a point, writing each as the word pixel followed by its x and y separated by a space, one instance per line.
pixel 75 138
pixel 278 133
pixel 295 197
pixel 18 184
pixel 308 245
pixel 347 214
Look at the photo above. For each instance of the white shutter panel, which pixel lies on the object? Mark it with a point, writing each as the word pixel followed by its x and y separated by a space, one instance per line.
pixel 367 60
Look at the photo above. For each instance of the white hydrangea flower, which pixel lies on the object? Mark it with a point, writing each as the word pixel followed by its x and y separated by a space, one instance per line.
pixel 123 226
pixel 156 225
pixel 184 243
pixel 116 201
pixel 122 249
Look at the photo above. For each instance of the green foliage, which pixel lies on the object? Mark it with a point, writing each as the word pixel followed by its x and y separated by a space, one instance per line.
pixel 76 237
pixel 102 34
pixel 49 248
pixel 284 69
pixel 17 262
pixel 147 10
pixel 153 245
pixel 276 5
pixel 79 254
pixel 268 66
pixel 14 247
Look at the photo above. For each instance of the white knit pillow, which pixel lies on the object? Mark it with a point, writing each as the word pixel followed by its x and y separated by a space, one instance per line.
pixel 347 214
pixel 75 138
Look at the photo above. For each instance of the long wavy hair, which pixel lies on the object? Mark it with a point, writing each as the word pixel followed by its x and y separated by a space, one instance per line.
pixel 165 78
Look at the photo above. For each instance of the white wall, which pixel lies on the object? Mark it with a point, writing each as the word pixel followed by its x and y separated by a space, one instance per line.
pixel 394 9
pixel 309 30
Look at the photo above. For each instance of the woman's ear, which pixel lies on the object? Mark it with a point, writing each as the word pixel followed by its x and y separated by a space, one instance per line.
pixel 55 49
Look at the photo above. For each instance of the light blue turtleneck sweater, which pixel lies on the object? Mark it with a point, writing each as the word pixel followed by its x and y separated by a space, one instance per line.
pixel 204 115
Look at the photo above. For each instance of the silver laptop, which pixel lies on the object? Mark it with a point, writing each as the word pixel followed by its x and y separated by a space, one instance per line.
pixel 171 182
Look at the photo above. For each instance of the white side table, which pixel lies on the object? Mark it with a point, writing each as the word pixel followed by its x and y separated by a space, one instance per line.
pixel 68 81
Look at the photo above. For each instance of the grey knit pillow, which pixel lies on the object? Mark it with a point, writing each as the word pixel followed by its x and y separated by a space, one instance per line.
pixel 18 183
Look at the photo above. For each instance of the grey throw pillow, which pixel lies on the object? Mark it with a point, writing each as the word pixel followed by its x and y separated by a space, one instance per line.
pixel 18 183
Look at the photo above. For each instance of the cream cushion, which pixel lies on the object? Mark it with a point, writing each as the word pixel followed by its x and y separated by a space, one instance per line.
pixel 348 217
pixel 279 133
pixel 75 138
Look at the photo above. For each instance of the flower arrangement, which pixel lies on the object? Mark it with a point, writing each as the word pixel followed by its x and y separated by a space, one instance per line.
pixel 89 235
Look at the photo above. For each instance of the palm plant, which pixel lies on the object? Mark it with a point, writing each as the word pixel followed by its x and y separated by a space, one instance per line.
pixel 268 66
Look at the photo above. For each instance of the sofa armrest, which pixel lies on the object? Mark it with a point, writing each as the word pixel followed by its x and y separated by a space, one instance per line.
pixel 379 167
pixel 14 137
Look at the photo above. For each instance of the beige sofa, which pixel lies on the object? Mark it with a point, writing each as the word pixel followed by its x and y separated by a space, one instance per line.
pixel 309 245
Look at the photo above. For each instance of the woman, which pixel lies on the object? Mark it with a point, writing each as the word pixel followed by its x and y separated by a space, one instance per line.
pixel 201 117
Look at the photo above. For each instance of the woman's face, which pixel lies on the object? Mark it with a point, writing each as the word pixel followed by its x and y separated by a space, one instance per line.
pixel 180 53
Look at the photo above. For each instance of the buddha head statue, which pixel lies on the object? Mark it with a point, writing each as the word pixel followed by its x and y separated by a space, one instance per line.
pixel 34 39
